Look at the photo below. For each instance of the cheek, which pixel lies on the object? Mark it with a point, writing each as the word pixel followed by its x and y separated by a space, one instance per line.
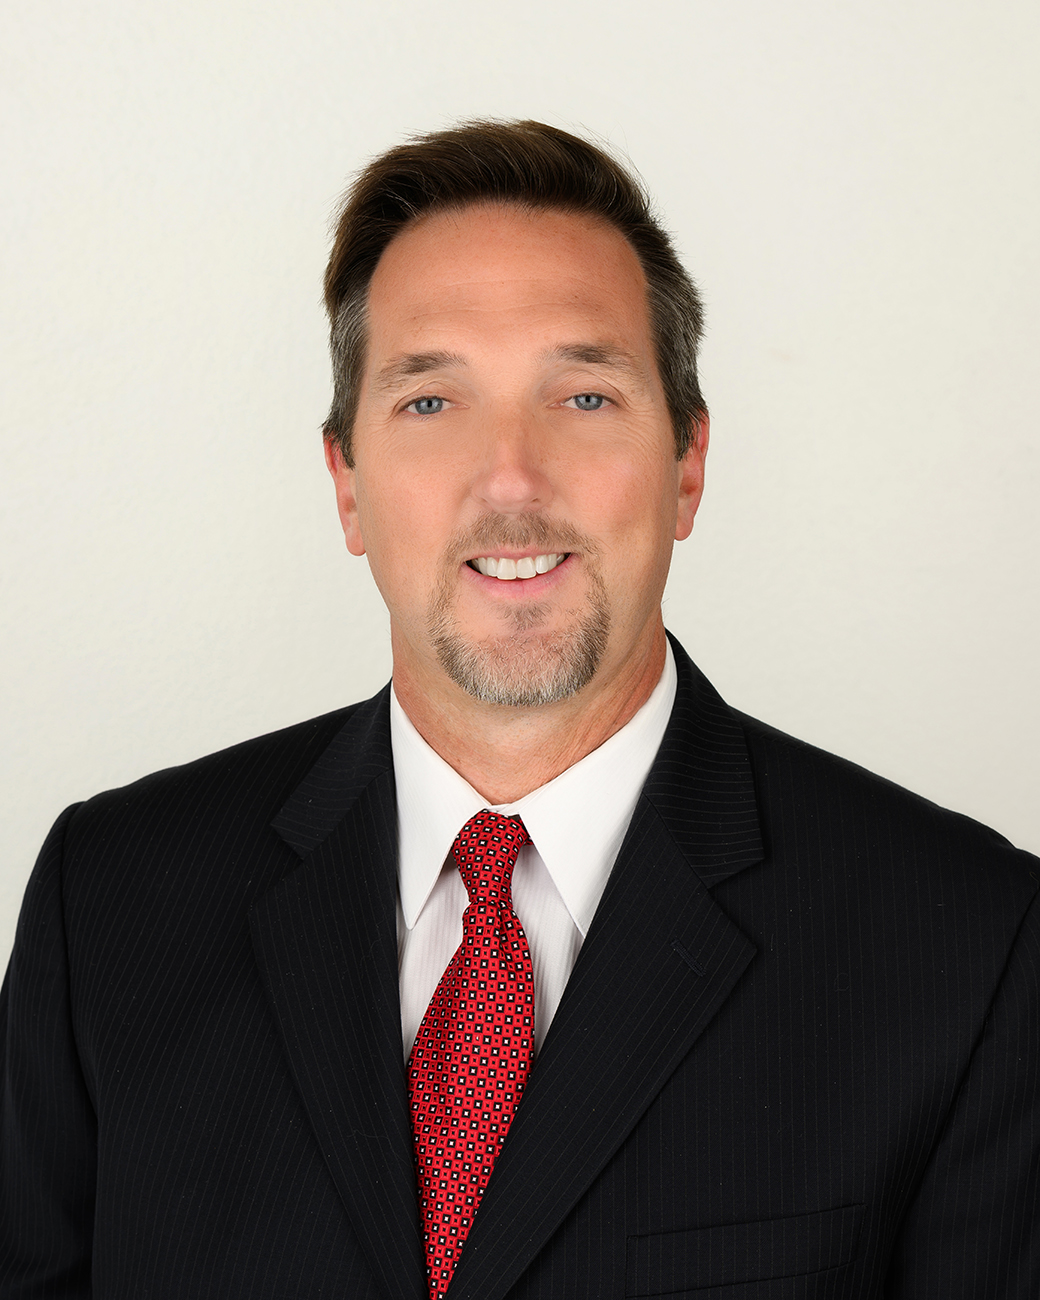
pixel 404 539
pixel 635 505
pixel 638 535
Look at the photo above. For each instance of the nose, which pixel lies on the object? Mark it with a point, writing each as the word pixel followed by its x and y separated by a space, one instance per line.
pixel 511 476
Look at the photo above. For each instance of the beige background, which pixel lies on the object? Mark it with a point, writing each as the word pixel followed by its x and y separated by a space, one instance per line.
pixel 855 186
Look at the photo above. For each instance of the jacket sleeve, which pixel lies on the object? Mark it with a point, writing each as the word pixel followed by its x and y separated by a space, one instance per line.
pixel 973 1228
pixel 48 1128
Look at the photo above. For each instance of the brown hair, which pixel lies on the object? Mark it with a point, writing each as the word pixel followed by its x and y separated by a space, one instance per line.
pixel 525 163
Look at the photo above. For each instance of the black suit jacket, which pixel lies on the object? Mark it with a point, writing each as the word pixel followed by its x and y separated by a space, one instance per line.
pixel 798 1055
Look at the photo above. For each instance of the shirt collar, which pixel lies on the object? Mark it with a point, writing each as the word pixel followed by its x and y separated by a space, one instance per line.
pixel 576 821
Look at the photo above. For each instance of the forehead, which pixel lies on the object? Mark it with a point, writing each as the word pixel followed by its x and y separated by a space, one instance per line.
pixel 495 269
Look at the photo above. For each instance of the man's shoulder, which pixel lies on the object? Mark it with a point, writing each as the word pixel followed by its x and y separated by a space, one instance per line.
pixel 184 852
pixel 245 783
pixel 821 801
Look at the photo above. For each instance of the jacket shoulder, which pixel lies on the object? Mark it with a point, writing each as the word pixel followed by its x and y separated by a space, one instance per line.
pixel 201 827
pixel 814 796
pixel 258 772
pixel 175 860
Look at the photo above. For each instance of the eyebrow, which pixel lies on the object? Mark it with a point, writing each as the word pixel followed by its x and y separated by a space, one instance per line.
pixel 398 369
pixel 412 364
pixel 599 354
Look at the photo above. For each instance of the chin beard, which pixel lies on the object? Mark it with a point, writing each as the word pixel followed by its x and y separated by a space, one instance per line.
pixel 523 667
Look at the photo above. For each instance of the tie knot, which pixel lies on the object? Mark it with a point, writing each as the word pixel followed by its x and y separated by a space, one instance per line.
pixel 486 849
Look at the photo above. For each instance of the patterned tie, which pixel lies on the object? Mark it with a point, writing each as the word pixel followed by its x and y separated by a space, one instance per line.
pixel 473 1051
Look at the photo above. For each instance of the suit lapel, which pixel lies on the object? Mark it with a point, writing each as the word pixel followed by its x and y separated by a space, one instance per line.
pixel 325 938
pixel 660 959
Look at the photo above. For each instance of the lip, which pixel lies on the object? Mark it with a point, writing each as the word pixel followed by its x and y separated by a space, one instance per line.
pixel 517 588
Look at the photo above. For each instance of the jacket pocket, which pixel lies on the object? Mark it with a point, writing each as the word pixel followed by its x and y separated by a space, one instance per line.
pixel 741 1252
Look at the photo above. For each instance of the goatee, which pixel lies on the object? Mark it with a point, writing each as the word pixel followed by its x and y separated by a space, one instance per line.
pixel 522 668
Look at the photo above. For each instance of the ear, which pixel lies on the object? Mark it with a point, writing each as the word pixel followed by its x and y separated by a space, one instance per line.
pixel 346 496
pixel 691 479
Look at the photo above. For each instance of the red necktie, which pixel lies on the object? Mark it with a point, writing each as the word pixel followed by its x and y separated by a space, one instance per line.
pixel 473 1051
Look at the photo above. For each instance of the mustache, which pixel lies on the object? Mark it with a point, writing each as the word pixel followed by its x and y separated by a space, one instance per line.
pixel 493 532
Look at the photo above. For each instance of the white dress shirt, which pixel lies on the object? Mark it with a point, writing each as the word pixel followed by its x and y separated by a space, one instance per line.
pixel 576 823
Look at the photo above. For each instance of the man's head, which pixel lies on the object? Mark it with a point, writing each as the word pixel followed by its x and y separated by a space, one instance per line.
pixel 532 166
pixel 512 471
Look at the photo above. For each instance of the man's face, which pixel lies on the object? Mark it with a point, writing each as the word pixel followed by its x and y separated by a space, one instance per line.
pixel 515 484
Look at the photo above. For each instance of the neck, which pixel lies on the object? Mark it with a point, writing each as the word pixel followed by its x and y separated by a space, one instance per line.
pixel 505 752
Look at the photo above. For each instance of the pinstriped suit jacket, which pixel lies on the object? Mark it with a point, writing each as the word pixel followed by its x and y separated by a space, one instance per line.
pixel 799 1055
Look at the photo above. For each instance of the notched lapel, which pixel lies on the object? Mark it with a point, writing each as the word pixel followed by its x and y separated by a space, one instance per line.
pixel 325 939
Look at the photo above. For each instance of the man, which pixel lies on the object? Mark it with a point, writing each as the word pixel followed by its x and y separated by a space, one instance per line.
pixel 544 973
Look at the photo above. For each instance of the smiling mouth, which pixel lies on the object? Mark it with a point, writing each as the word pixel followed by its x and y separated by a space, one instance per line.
pixel 508 570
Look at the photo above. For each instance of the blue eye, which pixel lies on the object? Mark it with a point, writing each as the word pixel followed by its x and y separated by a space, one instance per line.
pixel 427 405
pixel 588 401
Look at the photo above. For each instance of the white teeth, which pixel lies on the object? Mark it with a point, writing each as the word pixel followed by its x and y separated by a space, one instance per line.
pixel 506 570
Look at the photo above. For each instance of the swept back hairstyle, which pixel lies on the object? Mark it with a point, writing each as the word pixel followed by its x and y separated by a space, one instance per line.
pixel 530 165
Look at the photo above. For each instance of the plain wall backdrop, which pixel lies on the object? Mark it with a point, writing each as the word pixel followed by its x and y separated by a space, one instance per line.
pixel 855 187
